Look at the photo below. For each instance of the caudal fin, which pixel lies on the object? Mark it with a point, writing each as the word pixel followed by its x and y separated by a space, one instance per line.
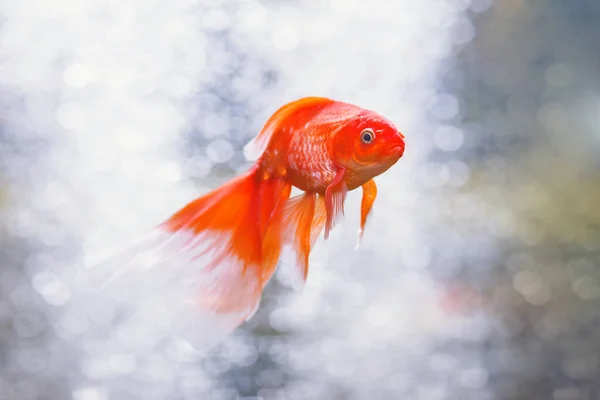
pixel 217 253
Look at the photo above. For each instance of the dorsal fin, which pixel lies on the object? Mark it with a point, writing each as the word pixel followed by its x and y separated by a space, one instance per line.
pixel 256 146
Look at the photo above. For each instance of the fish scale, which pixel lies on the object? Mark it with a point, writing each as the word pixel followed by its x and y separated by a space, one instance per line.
pixel 310 159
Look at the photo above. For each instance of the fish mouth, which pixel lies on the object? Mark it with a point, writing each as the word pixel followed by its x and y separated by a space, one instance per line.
pixel 398 146
pixel 396 150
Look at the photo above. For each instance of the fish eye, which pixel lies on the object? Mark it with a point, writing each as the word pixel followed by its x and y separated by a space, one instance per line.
pixel 367 136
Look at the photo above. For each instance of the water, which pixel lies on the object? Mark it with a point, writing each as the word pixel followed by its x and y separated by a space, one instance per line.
pixel 475 277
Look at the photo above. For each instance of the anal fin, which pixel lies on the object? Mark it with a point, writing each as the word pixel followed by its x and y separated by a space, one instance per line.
pixel 335 195
pixel 304 219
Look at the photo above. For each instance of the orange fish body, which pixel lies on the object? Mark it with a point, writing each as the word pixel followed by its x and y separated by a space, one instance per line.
pixel 234 235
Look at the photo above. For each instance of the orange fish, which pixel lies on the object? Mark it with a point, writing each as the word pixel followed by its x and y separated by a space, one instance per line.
pixel 234 235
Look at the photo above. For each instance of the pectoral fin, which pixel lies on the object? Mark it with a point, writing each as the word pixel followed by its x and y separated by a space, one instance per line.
pixel 368 198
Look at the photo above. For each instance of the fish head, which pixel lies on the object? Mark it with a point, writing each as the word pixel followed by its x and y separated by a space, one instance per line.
pixel 368 144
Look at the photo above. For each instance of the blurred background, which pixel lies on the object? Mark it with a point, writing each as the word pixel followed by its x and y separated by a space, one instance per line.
pixel 478 275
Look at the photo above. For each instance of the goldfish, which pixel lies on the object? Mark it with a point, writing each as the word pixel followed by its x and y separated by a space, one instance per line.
pixel 233 236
